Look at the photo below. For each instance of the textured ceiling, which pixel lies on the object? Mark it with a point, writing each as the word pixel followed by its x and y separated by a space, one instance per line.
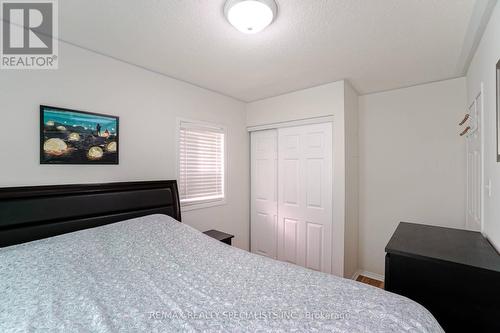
pixel 377 45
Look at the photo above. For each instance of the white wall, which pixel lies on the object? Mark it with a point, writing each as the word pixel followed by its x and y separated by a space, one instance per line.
pixel 148 105
pixel 482 70
pixel 412 163
pixel 324 100
pixel 351 235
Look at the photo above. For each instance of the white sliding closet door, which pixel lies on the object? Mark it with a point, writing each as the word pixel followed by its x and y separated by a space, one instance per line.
pixel 264 206
pixel 305 196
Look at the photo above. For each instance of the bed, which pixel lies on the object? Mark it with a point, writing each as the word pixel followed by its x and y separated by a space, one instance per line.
pixel 115 258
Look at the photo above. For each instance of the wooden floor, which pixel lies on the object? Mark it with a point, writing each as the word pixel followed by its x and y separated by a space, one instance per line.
pixel 370 281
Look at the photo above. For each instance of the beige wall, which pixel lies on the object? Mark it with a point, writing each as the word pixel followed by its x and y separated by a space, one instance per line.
pixel 482 70
pixel 148 105
pixel 412 163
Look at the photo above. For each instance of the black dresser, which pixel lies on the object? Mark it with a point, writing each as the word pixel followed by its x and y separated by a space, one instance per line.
pixel 453 273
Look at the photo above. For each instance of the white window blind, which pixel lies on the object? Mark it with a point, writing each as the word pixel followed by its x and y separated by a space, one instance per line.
pixel 201 163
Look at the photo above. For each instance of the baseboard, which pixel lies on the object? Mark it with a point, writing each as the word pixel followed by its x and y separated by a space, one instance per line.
pixel 355 275
pixel 368 274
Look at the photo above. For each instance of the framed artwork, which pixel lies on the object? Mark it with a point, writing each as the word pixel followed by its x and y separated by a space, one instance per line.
pixel 77 137
pixel 498 110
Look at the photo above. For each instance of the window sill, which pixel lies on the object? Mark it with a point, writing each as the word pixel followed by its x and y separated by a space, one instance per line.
pixel 202 205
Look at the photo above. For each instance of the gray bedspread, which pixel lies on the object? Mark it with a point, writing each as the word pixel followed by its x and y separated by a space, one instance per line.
pixel 154 274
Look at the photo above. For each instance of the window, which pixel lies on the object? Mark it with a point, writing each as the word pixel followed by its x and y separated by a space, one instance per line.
pixel 201 164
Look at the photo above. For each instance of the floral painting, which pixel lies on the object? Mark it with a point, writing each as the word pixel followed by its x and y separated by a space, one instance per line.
pixel 77 137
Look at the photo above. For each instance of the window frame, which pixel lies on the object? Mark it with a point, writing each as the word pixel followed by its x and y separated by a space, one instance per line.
pixel 207 203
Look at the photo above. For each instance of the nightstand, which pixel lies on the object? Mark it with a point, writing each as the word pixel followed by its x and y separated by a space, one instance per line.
pixel 220 236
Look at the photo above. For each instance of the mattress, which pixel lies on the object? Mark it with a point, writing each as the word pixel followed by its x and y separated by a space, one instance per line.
pixel 154 274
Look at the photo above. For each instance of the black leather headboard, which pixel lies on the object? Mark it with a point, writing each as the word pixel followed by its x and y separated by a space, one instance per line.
pixel 31 213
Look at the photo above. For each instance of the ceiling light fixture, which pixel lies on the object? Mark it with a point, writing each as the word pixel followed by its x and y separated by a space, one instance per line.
pixel 250 16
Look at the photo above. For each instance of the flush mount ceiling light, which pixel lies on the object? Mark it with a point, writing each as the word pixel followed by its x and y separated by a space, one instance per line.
pixel 250 16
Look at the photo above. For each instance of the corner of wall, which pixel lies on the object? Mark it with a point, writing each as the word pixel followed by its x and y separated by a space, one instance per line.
pixel 351 176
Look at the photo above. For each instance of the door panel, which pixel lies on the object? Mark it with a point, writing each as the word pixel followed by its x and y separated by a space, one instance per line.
pixel 305 195
pixel 264 208
pixel 264 231
pixel 314 171
pixel 314 245
pixel 291 170
pixel 290 234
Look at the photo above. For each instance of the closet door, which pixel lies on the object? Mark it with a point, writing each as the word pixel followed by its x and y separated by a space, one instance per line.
pixel 264 206
pixel 305 196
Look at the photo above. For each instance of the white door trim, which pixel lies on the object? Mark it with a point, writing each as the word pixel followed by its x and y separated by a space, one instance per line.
pixel 477 124
pixel 300 122
pixel 481 125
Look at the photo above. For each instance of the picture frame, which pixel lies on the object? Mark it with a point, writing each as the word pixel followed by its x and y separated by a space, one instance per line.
pixel 77 137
